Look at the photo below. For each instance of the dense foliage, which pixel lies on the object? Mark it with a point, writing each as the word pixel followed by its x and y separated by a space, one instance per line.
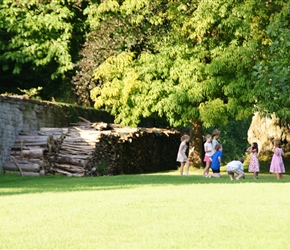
pixel 272 73
pixel 188 61
pixel 111 37
pixel 39 42
pixel 201 68
pixel 226 57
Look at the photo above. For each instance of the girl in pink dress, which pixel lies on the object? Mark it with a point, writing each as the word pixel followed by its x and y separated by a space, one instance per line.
pixel 277 164
pixel 254 166
pixel 208 152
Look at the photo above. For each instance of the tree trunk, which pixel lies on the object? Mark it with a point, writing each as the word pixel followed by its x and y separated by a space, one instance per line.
pixel 196 145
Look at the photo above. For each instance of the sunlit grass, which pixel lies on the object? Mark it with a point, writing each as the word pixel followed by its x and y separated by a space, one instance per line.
pixel 161 211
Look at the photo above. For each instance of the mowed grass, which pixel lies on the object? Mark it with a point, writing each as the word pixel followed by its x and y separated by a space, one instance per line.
pixel 160 211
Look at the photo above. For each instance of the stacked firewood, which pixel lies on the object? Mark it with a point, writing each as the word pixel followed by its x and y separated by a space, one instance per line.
pixel 26 156
pixel 134 151
pixel 69 154
pixel 94 149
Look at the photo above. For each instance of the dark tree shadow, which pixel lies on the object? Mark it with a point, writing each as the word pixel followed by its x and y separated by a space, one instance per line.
pixel 15 185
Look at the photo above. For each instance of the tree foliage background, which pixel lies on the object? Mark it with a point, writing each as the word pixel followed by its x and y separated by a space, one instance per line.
pixel 39 44
pixel 194 63
pixel 201 65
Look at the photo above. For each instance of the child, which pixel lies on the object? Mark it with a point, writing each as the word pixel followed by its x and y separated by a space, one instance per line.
pixel 216 160
pixel 236 167
pixel 215 136
pixel 181 156
pixel 277 165
pixel 254 166
pixel 208 152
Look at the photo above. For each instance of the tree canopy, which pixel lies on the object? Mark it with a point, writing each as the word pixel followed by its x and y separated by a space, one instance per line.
pixel 272 73
pixel 39 40
pixel 205 61
pixel 188 61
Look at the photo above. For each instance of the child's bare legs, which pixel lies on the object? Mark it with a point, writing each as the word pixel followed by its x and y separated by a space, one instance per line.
pixel 187 167
pixel 255 175
pixel 231 175
pixel 279 176
pixel 239 176
pixel 206 169
pixel 216 175
pixel 181 168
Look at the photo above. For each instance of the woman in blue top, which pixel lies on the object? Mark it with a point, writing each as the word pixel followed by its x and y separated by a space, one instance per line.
pixel 216 160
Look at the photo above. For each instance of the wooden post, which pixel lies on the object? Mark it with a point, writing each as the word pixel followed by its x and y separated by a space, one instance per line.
pixel 17 165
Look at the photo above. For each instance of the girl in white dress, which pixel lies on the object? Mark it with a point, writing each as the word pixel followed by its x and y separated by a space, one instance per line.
pixel 181 155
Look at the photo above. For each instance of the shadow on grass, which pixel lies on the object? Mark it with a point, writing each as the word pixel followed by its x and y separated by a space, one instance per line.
pixel 15 185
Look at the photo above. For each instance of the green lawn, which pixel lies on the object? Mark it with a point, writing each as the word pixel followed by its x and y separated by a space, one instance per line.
pixel 159 211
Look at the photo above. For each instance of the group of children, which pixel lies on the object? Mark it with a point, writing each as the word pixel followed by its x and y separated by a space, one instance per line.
pixel 213 156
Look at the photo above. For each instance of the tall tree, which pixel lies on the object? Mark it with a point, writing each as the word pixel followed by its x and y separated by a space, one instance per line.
pixel 199 70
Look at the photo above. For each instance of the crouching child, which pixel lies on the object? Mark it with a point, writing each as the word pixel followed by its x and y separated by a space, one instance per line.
pixel 236 167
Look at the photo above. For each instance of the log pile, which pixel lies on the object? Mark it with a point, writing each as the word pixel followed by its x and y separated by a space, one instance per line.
pixel 70 153
pixel 26 156
pixel 94 149
pixel 134 152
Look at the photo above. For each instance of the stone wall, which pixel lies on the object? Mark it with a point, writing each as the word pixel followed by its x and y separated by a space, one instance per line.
pixel 18 115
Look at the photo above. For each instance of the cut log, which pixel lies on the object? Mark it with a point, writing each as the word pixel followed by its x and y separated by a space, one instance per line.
pixel 68 151
pixel 70 160
pixel 33 153
pixel 76 147
pixel 41 143
pixel 75 157
pixel 54 130
pixel 25 167
pixel 23 174
pixel 70 168
pixel 19 148
pixel 28 138
pixel 100 126
pixel 85 120
pixel 63 172
pixel 31 174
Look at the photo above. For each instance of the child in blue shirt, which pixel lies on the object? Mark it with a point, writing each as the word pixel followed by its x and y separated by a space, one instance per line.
pixel 216 160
